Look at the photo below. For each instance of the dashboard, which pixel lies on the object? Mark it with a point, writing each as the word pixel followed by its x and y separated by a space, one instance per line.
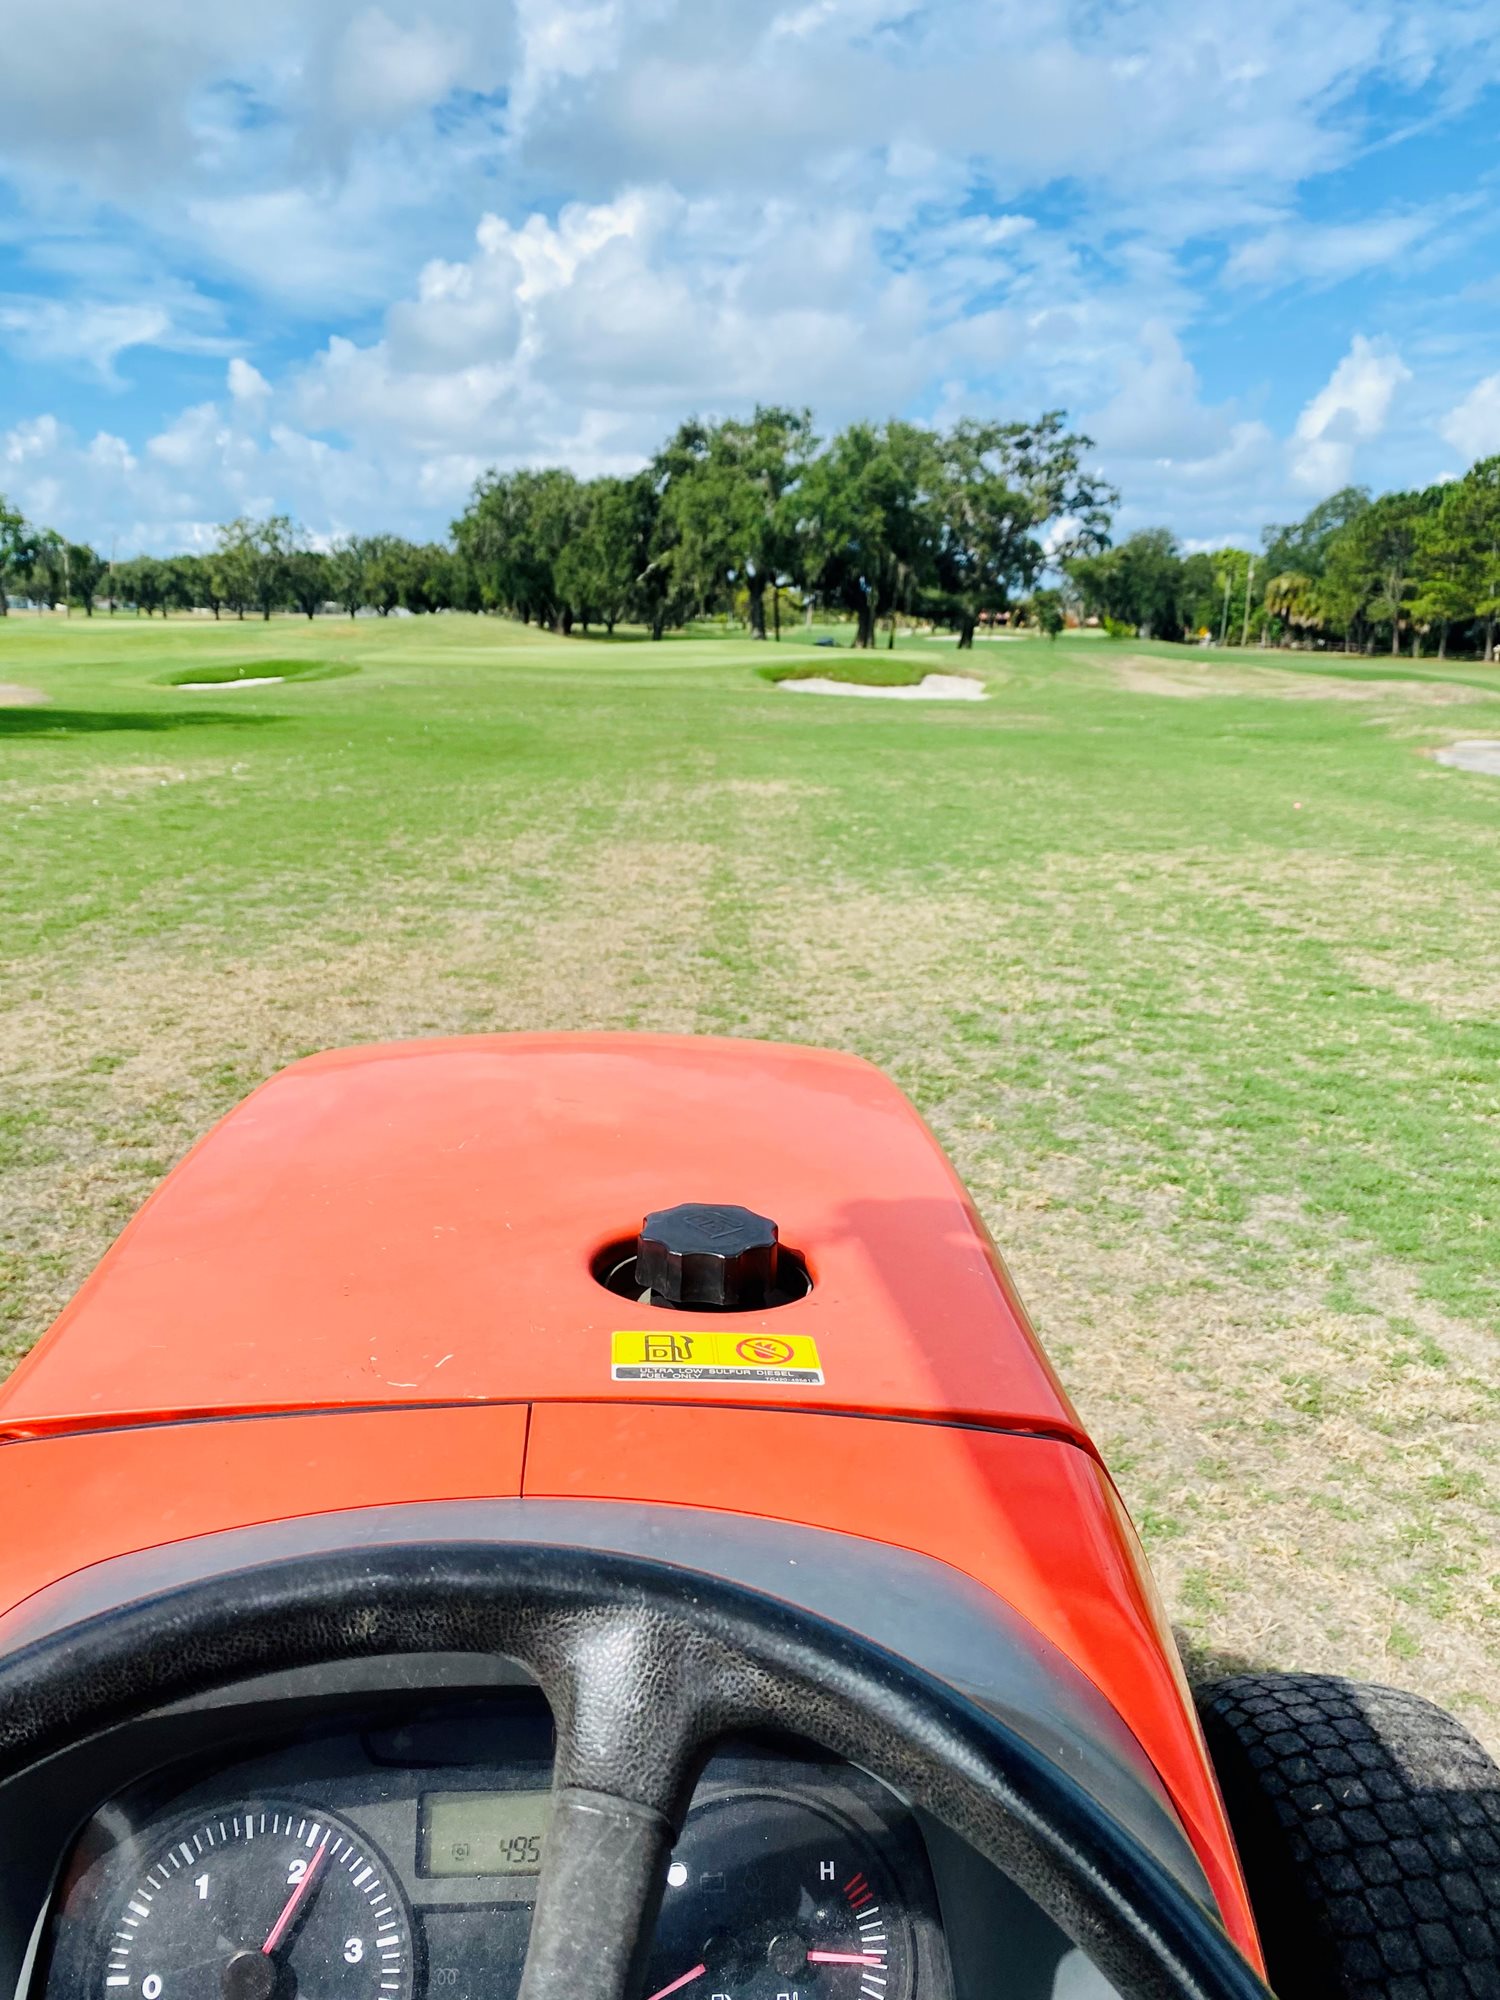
pixel 401 1859
pixel 389 1849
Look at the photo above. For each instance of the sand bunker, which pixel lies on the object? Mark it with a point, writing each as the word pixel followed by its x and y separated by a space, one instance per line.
pixel 12 696
pixel 223 687
pixel 1480 754
pixel 932 687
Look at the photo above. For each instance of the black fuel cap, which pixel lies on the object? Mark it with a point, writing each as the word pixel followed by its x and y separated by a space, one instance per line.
pixel 707 1254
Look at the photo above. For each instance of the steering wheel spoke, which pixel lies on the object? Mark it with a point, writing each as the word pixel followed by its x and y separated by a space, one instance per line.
pixel 597 1900
pixel 631 1732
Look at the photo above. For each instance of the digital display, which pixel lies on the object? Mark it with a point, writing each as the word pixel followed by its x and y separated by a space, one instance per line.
pixel 484 1833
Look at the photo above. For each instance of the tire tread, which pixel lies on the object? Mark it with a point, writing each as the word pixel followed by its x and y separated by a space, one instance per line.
pixel 1368 1822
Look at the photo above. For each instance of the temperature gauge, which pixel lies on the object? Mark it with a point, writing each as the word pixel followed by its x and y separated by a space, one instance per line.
pixel 771 1899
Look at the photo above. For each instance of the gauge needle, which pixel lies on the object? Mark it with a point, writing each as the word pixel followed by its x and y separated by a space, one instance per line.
pixel 677 1984
pixel 294 1902
pixel 844 1958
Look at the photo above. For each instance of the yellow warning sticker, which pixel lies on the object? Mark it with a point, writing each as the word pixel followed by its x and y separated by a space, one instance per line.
pixel 695 1356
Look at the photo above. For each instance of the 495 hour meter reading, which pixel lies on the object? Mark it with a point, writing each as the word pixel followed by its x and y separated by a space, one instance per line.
pixel 484 1833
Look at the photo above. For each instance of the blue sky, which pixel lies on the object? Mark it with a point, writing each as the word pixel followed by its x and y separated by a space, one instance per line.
pixel 337 258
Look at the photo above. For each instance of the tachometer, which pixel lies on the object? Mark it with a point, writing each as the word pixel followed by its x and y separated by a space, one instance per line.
pixel 771 1899
pixel 263 1902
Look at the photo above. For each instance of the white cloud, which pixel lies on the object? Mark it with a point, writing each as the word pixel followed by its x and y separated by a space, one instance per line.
pixel 92 333
pixel 1325 253
pixel 1472 427
pixel 383 73
pixel 590 336
pixel 1193 99
pixel 1156 411
pixel 54 330
pixel 1349 410
pixel 246 383
pixel 206 466
pixel 213 88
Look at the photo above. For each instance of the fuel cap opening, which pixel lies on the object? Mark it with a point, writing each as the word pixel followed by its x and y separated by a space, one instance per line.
pixel 705 1257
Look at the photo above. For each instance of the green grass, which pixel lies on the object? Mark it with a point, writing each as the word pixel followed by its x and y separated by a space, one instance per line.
pixel 864 669
pixel 1193 961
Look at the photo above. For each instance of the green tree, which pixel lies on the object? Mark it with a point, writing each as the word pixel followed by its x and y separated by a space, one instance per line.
pixel 1373 560
pixel 309 583
pixel 432 578
pixel 384 572
pixel 1199 594
pixel 47 579
pixel 1302 547
pixel 142 584
pixel 1213 595
pixel 253 563
pixel 513 534
pixel 1295 601
pixel 598 572
pixel 272 544
pixel 1045 607
pixel 1445 587
pixel 1475 504
pixel 198 583
pixel 657 596
pixel 86 569
pixel 346 573
pixel 867 523
pixel 234 565
pixel 17 549
pixel 1138 583
pixel 999 490
pixel 1319 550
pixel 181 579
pixel 726 503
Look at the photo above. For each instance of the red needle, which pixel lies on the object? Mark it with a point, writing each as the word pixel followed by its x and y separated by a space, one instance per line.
pixel 844 1958
pixel 294 1901
pixel 686 1980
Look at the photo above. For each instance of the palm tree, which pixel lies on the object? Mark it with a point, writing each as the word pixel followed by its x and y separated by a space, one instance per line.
pixel 1294 599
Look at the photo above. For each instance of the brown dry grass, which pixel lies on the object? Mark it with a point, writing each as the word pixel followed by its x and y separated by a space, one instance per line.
pixel 1143 673
pixel 1317 1484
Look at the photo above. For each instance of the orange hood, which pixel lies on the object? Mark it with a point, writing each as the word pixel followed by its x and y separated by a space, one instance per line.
pixel 415 1224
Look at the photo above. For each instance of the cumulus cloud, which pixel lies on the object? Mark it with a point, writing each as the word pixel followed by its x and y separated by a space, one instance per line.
pixel 428 235
pixel 589 336
pixel 204 467
pixel 246 383
pixel 1156 411
pixel 1349 410
pixel 383 71
pixel 1472 427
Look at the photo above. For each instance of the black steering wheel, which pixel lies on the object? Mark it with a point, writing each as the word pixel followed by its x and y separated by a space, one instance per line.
pixel 646 1665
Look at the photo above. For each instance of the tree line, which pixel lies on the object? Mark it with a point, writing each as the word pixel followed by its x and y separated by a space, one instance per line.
pixel 1419 569
pixel 760 518
pixel 257 567
pixel 879 522
pixel 755 514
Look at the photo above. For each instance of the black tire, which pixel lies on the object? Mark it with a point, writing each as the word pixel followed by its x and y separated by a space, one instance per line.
pixel 1368 1822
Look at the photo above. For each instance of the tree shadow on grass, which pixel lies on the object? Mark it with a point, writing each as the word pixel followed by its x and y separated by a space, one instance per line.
pixel 48 721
